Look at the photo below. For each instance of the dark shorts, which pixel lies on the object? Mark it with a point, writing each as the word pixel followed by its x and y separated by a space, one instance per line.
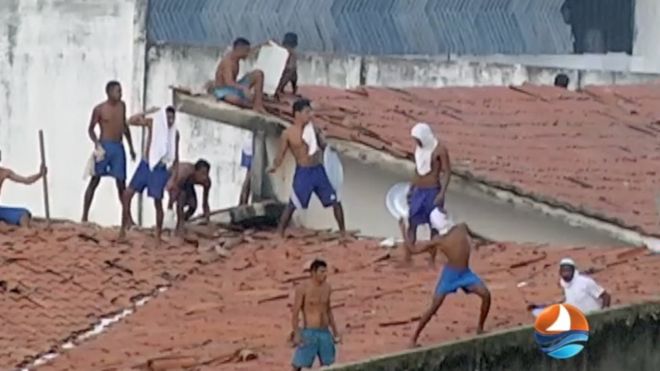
pixel 114 161
pixel 246 160
pixel 315 343
pixel 422 202
pixel 153 180
pixel 226 91
pixel 13 215
pixel 189 196
pixel 308 180
pixel 453 279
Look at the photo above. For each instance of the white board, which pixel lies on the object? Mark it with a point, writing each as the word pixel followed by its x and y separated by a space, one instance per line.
pixel 334 170
pixel 272 61
pixel 396 200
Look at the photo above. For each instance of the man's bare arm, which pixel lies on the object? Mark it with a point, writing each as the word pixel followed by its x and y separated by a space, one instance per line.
pixel 96 117
pixel 331 317
pixel 205 201
pixel 417 248
pixel 25 179
pixel 284 147
pixel 127 132
pixel 297 307
pixel 606 298
pixel 320 138
pixel 446 170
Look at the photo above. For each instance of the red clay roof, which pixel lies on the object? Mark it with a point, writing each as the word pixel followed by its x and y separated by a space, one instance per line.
pixel 56 283
pixel 244 302
pixel 595 152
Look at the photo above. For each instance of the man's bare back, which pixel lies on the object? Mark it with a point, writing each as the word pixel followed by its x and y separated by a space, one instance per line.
pixel 111 119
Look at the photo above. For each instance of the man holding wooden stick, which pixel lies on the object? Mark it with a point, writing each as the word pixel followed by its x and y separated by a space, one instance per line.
pixel 17 215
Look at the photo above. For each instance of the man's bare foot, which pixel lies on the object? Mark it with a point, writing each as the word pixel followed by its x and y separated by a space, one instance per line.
pixel 413 344
pixel 480 331
pixel 260 109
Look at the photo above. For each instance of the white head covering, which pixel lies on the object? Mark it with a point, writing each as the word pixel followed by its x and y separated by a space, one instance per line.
pixel 570 262
pixel 424 154
pixel 163 140
pixel 309 137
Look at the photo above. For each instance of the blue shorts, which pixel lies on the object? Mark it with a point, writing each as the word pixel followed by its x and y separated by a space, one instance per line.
pixel 453 279
pixel 246 160
pixel 13 215
pixel 422 202
pixel 154 180
pixel 315 342
pixel 114 161
pixel 224 91
pixel 308 180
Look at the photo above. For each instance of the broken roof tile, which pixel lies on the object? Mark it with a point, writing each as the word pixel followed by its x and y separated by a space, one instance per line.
pixel 594 152
pixel 222 309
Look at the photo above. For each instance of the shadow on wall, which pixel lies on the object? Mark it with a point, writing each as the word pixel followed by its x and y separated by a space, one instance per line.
pixel 600 26
pixel 620 339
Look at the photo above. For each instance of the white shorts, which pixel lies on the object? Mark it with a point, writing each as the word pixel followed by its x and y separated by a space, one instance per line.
pixel 441 221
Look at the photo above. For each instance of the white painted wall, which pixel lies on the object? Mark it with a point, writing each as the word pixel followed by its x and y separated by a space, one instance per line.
pixel 55 59
pixel 647 32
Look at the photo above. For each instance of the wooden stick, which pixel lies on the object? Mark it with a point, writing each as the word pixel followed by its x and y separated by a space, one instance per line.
pixel 45 179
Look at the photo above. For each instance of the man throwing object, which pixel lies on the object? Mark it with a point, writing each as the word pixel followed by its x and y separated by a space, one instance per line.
pixel 310 176
pixel 454 242
pixel 152 173
pixel 17 215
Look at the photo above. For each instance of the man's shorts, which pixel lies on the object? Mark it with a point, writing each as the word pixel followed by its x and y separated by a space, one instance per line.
pixel 114 161
pixel 453 279
pixel 422 202
pixel 224 91
pixel 315 342
pixel 246 160
pixel 13 215
pixel 189 195
pixel 154 180
pixel 308 180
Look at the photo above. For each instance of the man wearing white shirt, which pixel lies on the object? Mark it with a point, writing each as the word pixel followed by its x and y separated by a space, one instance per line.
pixel 579 290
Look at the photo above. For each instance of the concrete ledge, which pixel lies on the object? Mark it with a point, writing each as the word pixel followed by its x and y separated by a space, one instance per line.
pixel 622 338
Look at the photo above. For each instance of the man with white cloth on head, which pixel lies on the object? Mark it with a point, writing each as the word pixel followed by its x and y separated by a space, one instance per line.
pixel 579 290
pixel 429 186
pixel 304 141
pixel 152 173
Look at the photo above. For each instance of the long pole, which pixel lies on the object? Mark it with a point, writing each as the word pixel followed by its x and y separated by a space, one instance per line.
pixel 45 179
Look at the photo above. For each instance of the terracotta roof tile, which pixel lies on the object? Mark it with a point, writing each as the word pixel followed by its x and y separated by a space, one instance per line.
pixel 56 282
pixel 594 152
pixel 244 302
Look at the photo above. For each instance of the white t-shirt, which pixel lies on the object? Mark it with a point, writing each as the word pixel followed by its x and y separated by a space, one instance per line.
pixel 583 292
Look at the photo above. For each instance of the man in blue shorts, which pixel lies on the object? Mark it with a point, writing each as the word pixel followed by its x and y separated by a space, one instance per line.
pixel 246 163
pixel 17 215
pixel 314 339
pixel 246 92
pixel 454 242
pixel 152 173
pixel 429 186
pixel 110 116
pixel 304 141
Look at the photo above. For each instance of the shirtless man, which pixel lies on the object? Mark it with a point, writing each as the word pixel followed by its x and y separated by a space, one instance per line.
pixel 153 178
pixel 238 92
pixel 314 339
pixel 429 186
pixel 290 74
pixel 17 215
pixel 181 188
pixel 110 116
pixel 310 176
pixel 454 242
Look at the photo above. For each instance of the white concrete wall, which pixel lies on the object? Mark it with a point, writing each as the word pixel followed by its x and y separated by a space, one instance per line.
pixel 55 59
pixel 647 32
